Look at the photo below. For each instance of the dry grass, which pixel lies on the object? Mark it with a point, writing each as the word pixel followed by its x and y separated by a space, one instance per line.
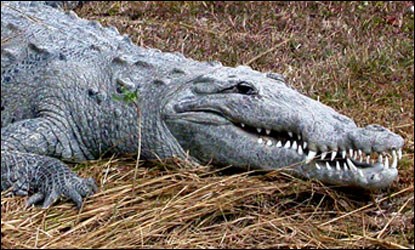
pixel 354 57
pixel 198 207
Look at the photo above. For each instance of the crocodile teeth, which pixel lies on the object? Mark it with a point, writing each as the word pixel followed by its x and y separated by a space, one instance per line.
pixel 287 144
pixel 300 150
pixel 400 154
pixel 299 137
pixel 355 155
pixel 380 158
pixel 294 146
pixel 318 166
pixel 345 166
pixel 395 159
pixel 368 159
pixel 259 130
pixel 242 125
pixel 323 155
pixel 386 162
pixel 290 134
pixel 268 131
pixel 333 155
pixel 351 152
pixel 279 144
pixel 328 165
pixel 360 152
pixel 344 154
pixel 338 166
pixel 269 143
pixel 260 140
pixel 310 156
pixel 304 144
pixel 351 165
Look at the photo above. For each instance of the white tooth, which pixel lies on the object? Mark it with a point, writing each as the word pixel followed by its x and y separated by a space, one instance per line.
pixel 351 165
pixel 360 172
pixel 269 143
pixel 351 152
pixel 260 141
pixel 400 153
pixel 355 155
pixel 323 155
pixel 386 162
pixel 395 159
pixel 380 158
pixel 287 144
pixel 344 154
pixel 290 134
pixel 304 144
pixel 337 165
pixel 345 166
pixel 354 168
pixel 368 159
pixel 259 130
pixel 242 125
pixel 294 146
pixel 279 144
pixel 360 152
pixel 268 131
pixel 299 137
pixel 318 166
pixel 328 165
pixel 333 155
pixel 310 156
pixel 300 150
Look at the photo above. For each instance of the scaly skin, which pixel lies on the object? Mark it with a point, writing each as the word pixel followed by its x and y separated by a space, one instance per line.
pixel 59 76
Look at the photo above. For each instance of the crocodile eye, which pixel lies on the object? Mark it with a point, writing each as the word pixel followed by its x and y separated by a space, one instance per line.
pixel 246 88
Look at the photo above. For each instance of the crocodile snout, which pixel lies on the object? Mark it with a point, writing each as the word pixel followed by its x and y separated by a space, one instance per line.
pixel 375 139
pixel 370 160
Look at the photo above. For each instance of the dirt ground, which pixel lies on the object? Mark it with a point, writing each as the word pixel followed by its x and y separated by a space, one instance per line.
pixel 356 57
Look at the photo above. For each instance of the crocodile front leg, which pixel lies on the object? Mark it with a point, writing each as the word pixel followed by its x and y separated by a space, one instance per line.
pixel 27 165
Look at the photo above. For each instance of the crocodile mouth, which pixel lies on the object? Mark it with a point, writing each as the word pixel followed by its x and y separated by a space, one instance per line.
pixel 350 166
pixel 354 161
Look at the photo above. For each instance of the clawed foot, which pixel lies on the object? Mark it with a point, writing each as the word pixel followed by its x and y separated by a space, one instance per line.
pixel 71 187
pixel 75 189
pixel 44 178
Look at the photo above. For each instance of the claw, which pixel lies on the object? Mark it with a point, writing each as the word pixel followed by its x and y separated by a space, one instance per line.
pixel 50 199
pixel 75 197
pixel 34 199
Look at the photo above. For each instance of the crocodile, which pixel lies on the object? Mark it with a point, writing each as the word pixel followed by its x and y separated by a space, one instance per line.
pixel 62 78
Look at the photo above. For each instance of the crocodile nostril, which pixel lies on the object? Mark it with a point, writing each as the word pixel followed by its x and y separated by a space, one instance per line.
pixel 376 128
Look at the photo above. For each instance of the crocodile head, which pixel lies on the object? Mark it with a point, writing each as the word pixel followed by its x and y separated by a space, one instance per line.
pixel 242 117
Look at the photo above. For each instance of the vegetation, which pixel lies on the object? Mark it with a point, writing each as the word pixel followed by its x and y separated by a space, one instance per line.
pixel 356 57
